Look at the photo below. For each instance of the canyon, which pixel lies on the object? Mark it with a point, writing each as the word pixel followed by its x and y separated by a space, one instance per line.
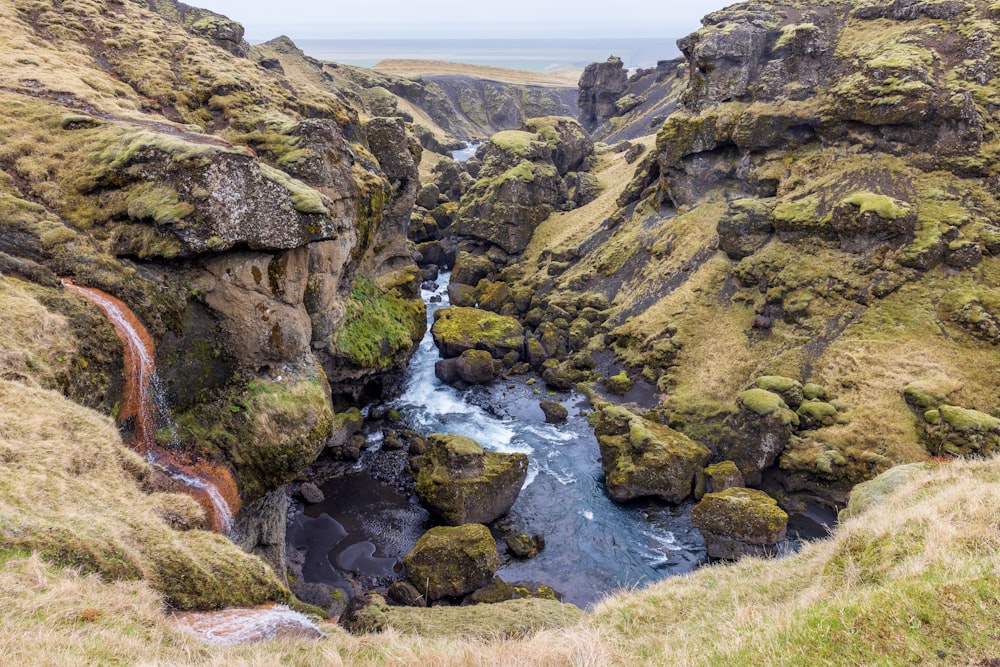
pixel 729 296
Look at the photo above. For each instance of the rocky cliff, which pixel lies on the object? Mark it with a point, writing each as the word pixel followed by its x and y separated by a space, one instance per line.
pixel 250 218
pixel 804 266
pixel 446 109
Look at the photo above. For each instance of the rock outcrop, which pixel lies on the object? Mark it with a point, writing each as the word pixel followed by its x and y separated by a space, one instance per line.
pixel 740 522
pixel 642 458
pixel 526 175
pixel 601 85
pixel 449 562
pixel 462 483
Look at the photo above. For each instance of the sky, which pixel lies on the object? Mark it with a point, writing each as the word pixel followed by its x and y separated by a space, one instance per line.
pixel 394 19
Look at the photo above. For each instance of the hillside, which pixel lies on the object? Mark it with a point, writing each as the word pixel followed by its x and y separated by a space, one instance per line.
pixel 820 210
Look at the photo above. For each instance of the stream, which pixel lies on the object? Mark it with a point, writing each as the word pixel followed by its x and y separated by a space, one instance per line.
pixel 594 545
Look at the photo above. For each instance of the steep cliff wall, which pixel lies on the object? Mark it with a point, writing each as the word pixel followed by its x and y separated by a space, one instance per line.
pixel 251 219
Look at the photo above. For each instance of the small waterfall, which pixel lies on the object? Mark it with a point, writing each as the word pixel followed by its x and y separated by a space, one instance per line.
pixel 210 484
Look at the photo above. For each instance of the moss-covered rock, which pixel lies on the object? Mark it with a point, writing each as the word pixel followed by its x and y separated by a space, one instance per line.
pixel 460 482
pixel 740 522
pixel 871 493
pixel 365 614
pixel 554 412
pixel 961 432
pixel 789 389
pixel 721 476
pixel 449 562
pixel 758 433
pixel 643 458
pixel 459 329
pixel 619 384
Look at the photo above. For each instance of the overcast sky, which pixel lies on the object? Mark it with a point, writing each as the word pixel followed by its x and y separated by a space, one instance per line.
pixel 370 19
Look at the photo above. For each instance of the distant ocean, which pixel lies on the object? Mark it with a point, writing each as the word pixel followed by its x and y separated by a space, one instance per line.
pixel 536 55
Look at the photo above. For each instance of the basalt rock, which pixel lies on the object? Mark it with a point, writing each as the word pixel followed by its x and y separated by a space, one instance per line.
pixel 449 562
pixel 643 458
pixel 740 522
pixel 600 87
pixel 462 483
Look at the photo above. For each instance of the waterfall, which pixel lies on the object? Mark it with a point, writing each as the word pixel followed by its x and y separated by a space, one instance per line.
pixel 210 484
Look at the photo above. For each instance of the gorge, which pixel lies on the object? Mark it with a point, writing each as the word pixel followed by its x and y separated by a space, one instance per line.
pixel 730 299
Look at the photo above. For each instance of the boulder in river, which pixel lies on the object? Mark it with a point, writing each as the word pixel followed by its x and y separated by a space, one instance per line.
pixel 643 458
pixel 740 522
pixel 555 413
pixel 456 330
pixel 462 483
pixel 452 561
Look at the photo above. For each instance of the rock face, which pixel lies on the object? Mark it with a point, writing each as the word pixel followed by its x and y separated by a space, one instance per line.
pixel 246 215
pixel 740 522
pixel 600 87
pixel 642 458
pixel 526 175
pixel 449 562
pixel 462 483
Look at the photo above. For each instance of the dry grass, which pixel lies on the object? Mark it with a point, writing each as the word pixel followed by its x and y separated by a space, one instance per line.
pixel 412 68
pixel 35 344
pixel 911 580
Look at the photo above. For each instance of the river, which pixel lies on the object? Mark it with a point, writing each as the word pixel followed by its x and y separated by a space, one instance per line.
pixel 594 545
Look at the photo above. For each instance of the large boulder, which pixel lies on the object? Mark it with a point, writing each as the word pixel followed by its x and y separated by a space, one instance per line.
pixel 452 561
pixel 456 330
pixel 472 366
pixel 461 482
pixel 760 432
pixel 643 458
pixel 740 522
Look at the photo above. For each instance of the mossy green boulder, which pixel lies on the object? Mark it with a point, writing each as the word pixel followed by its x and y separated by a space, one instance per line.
pixel 456 330
pixel 957 431
pixel 452 561
pixel 740 522
pixel 721 476
pixel 642 458
pixel 461 482
pixel 874 491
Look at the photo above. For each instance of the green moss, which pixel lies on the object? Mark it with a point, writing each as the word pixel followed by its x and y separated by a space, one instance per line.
pixel 459 329
pixel 159 203
pixel 817 413
pixel 968 421
pixel 304 198
pixel 618 385
pixel 884 207
pixel 778 384
pixel 790 33
pixel 762 402
pixel 799 215
pixel 517 142
pixel 376 327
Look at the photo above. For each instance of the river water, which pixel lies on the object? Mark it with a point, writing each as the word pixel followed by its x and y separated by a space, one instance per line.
pixel 594 546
